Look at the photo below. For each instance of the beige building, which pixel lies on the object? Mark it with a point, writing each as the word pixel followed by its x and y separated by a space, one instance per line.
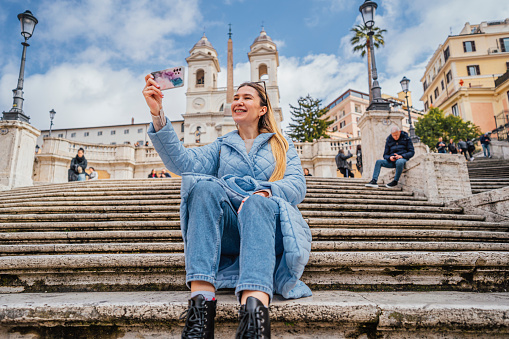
pixel 461 76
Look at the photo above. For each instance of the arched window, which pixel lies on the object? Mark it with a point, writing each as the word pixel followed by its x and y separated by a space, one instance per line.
pixel 182 127
pixel 221 109
pixel 200 78
pixel 263 73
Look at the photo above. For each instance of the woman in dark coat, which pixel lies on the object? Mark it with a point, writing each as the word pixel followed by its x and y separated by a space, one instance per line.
pixel 342 163
pixel 359 159
pixel 78 167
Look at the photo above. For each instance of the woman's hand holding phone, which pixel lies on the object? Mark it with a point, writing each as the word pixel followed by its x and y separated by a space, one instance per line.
pixel 153 95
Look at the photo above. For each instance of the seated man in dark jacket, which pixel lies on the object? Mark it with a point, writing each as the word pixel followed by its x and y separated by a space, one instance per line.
pixel 398 150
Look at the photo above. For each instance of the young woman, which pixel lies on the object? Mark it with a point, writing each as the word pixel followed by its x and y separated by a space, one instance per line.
pixel 239 197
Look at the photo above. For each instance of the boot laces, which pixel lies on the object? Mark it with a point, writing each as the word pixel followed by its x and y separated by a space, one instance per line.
pixel 195 322
pixel 248 328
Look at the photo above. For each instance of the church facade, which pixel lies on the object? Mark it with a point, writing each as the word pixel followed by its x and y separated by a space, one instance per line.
pixel 208 113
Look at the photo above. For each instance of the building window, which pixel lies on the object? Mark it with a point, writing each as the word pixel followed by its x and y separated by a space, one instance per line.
pixel 426 105
pixel 343 114
pixel 335 128
pixel 507 65
pixel 86 134
pixel 113 143
pixel 425 85
pixel 113 132
pixel 504 44
pixel 431 99
pixel 455 110
pixel 358 119
pixel 468 46
pixel 127 142
pixel 443 86
pixel 140 130
pixel 126 131
pixel 473 70
pixel 61 135
pixel 73 135
pixel 200 78
pixel 182 127
pixel 436 93
pixel 45 135
pixel 358 133
pixel 342 124
pixel 357 109
pixel 448 77
pixel 99 133
pixel 447 54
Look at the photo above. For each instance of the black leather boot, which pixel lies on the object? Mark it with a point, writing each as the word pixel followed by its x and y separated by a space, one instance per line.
pixel 254 320
pixel 199 318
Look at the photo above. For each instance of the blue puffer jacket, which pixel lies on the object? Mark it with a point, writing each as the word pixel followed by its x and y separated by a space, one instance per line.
pixel 227 162
pixel 403 146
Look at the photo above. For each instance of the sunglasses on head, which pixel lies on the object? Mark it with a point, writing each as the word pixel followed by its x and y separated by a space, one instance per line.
pixel 264 87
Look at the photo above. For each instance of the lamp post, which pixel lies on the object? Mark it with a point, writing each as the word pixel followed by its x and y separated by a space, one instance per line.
pixel 51 117
pixel 28 22
pixel 367 10
pixel 405 85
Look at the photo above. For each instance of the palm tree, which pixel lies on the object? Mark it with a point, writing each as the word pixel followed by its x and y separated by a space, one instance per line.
pixel 360 42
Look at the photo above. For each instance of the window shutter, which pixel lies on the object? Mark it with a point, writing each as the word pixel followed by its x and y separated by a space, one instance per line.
pixel 468 70
pixel 502 44
pixel 473 46
pixel 464 47
pixel 477 70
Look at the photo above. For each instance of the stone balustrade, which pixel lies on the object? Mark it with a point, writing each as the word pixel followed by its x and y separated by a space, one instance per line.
pixel 127 162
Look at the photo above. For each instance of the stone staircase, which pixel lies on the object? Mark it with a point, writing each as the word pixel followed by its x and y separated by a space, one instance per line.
pixel 488 174
pixel 104 259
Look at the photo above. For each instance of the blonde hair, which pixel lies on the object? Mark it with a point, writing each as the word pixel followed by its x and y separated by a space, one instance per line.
pixel 267 124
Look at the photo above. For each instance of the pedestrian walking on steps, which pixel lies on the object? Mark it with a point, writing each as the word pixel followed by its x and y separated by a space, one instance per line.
pixel 485 143
pixel 463 148
pixel 398 150
pixel 452 147
pixel 343 165
pixel 470 149
pixel 78 166
pixel 358 161
pixel 239 218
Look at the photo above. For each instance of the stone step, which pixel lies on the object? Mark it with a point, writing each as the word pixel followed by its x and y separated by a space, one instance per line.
pixel 408 224
pixel 326 315
pixel 175 199
pixel 145 214
pixel 319 234
pixel 167 205
pixel 474 180
pixel 353 270
pixel 178 247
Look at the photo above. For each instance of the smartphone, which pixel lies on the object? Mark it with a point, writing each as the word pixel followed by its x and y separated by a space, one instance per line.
pixel 170 78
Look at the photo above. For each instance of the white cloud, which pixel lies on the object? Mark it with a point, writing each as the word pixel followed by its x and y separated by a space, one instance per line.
pixel 133 29
pixel 87 95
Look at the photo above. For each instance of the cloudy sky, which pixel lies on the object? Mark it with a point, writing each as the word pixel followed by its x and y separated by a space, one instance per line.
pixel 88 58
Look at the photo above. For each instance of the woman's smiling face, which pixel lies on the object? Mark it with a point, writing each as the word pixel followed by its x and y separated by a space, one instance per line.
pixel 246 109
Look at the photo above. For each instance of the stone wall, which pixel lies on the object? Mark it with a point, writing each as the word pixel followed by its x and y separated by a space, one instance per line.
pixel 494 204
pixel 500 149
pixel 440 177
pixel 17 151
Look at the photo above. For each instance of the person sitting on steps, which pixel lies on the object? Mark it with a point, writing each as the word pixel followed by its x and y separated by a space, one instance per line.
pixel 398 150
pixel 239 202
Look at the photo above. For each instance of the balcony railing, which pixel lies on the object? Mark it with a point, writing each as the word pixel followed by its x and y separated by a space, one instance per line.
pixel 500 80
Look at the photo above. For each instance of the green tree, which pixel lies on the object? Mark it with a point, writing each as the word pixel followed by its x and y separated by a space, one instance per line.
pixel 360 42
pixel 435 124
pixel 307 122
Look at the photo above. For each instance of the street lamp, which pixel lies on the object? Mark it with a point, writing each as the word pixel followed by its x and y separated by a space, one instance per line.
pixel 405 85
pixel 368 9
pixel 51 117
pixel 28 22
